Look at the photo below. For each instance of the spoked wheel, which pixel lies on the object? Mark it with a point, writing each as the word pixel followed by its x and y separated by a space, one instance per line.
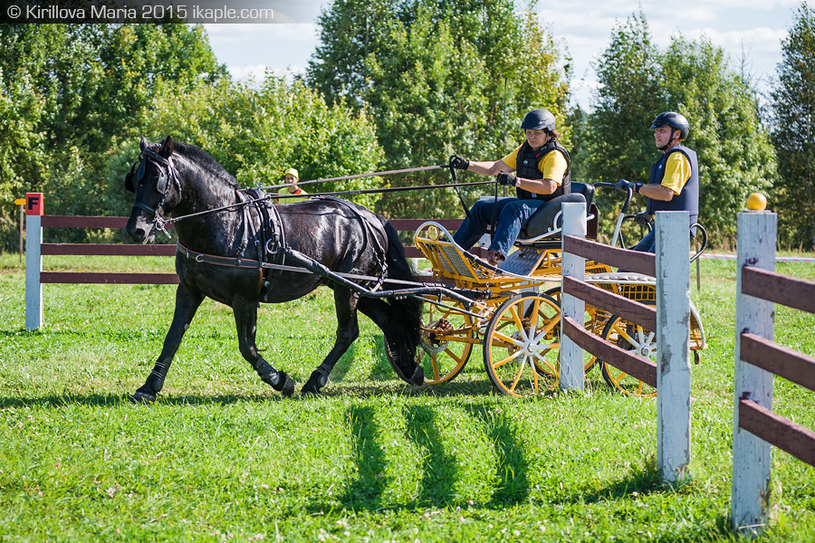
pixel 590 316
pixel 636 340
pixel 521 344
pixel 446 343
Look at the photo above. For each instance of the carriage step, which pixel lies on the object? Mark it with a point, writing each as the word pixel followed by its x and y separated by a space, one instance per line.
pixel 523 261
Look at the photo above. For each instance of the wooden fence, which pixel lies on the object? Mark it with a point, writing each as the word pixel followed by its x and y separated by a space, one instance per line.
pixel 36 249
pixel 670 320
pixel 755 426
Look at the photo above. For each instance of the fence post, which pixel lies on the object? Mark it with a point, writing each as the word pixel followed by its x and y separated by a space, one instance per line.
pixel 672 336
pixel 571 355
pixel 750 496
pixel 33 260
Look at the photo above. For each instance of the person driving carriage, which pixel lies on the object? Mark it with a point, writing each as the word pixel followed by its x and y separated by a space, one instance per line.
pixel 674 181
pixel 543 171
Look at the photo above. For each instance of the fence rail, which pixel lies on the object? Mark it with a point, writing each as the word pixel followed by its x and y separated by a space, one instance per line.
pixel 774 287
pixel 613 256
pixel 36 249
pixel 670 321
pixel 757 359
pixel 121 249
pixel 626 308
pixel 644 370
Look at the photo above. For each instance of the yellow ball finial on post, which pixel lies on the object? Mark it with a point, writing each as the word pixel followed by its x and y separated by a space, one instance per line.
pixel 757 202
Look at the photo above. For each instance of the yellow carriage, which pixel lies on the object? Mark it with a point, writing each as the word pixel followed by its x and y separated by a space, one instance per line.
pixel 514 314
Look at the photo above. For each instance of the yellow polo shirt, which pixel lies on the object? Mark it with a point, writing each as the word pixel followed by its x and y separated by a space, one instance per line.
pixel 553 166
pixel 677 172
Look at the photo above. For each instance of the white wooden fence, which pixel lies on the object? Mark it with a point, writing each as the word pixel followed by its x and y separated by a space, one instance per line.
pixel 755 427
pixel 671 323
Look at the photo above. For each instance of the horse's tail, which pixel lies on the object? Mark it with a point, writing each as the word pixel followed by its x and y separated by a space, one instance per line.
pixel 406 313
pixel 408 307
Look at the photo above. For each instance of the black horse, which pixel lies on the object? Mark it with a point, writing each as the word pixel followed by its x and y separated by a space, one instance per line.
pixel 225 233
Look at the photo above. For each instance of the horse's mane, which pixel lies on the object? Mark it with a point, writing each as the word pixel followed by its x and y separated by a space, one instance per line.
pixel 205 161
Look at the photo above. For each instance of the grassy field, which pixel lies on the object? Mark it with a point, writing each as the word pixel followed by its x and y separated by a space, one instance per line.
pixel 221 457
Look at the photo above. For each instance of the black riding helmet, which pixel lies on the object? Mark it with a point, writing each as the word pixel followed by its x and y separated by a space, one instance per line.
pixel 673 119
pixel 539 119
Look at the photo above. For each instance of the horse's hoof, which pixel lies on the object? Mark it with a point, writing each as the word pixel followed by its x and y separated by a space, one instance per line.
pixel 309 391
pixel 285 384
pixel 143 398
pixel 312 386
pixel 418 376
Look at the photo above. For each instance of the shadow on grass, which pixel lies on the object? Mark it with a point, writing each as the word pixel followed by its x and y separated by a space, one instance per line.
pixel 362 391
pixel 396 386
pixel 512 466
pixel 365 491
pixel 640 480
pixel 440 468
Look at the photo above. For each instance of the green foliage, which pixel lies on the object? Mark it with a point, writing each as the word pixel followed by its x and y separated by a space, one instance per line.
pixel 257 133
pixel 614 140
pixel 793 135
pixel 70 92
pixel 75 98
pixel 438 78
pixel 734 150
pixel 620 145
pixel 695 78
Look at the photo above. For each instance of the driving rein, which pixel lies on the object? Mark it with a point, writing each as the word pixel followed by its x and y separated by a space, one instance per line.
pixel 271 242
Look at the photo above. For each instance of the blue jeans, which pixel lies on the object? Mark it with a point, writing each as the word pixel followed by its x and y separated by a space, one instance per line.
pixel 512 214
pixel 647 244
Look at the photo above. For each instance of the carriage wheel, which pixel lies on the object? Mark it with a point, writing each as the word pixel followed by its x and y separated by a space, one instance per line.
pixel 591 316
pixel 521 344
pixel 446 343
pixel 636 340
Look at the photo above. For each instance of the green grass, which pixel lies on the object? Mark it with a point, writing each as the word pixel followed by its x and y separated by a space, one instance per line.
pixel 222 457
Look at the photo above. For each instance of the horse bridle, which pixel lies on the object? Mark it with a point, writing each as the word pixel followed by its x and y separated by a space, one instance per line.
pixel 166 173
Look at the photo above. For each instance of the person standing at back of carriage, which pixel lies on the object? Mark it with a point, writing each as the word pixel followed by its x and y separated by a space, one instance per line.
pixel 543 172
pixel 674 181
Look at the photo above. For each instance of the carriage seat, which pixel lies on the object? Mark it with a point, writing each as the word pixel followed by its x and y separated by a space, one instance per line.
pixel 547 221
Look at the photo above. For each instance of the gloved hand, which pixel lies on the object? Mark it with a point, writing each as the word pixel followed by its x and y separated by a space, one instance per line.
pixel 459 162
pixel 622 185
pixel 507 179
pixel 643 219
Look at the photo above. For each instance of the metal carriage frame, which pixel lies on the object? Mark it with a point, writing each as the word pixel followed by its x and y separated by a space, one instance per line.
pixel 516 319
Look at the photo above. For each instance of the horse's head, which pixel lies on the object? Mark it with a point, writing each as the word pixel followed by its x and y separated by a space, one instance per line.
pixel 155 182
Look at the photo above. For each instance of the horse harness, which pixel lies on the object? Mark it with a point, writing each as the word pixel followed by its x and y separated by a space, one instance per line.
pixel 166 173
pixel 270 242
pixel 273 250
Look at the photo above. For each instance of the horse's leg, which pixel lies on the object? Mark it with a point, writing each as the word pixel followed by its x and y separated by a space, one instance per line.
pixel 347 331
pixel 186 304
pixel 246 320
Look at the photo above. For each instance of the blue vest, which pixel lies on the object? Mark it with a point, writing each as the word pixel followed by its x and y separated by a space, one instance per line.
pixel 688 199
pixel 526 166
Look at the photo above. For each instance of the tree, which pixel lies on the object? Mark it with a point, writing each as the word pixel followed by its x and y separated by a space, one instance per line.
pixel 695 78
pixel 438 77
pixel 72 91
pixel 257 133
pixel 620 145
pixel 734 150
pixel 794 135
